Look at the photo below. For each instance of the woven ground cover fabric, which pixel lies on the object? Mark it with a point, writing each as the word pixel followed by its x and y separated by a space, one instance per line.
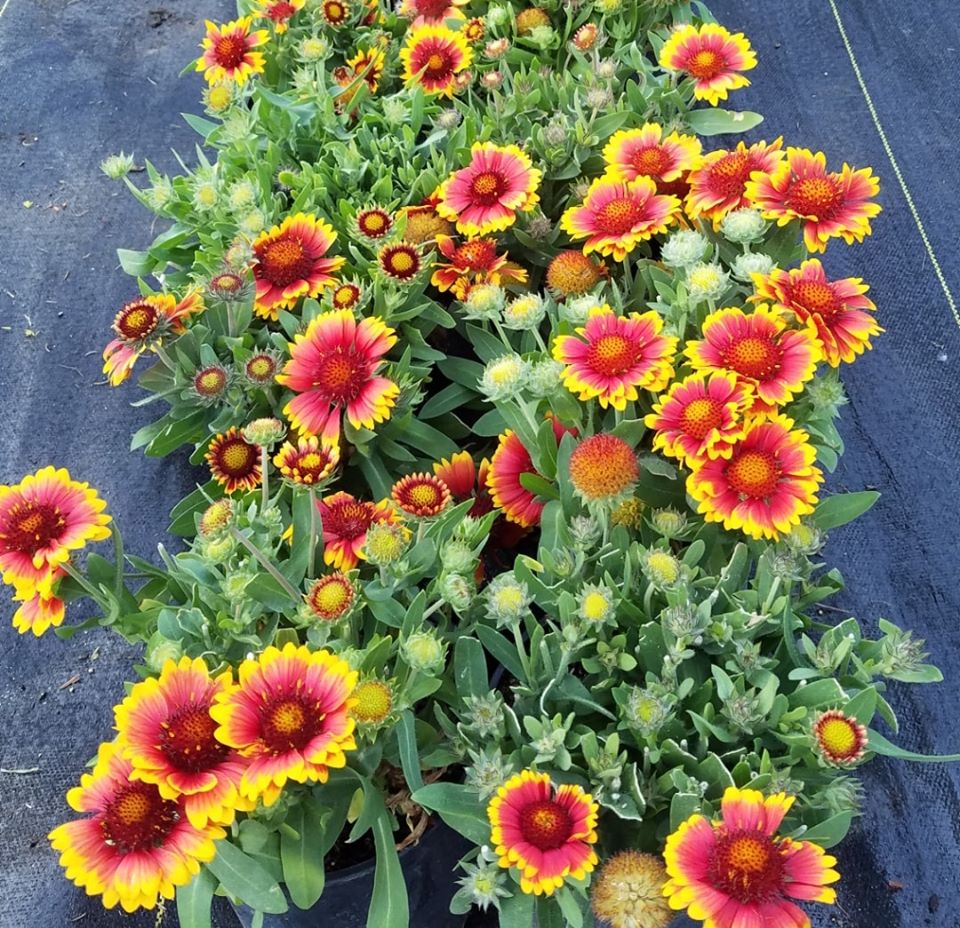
pixel 85 79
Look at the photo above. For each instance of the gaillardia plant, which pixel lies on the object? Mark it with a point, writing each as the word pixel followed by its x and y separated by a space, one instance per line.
pixel 512 402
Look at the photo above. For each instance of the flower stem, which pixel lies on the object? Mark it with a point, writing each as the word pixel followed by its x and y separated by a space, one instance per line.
pixel 264 491
pixel 261 559
pixel 314 532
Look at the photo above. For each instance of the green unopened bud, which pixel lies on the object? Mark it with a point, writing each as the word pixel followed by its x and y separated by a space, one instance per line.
pixel 457 557
pixel 668 522
pixel 508 600
pixel 745 266
pixel 743 226
pixel 504 377
pixel 662 569
pixel 585 531
pixel 525 312
pixel 219 548
pixel 484 715
pixel 117 166
pixel 217 518
pixel 386 543
pixel 458 591
pixel 425 652
pixel 646 711
pixel 264 432
pixel 159 650
pixel 683 249
pixel 706 282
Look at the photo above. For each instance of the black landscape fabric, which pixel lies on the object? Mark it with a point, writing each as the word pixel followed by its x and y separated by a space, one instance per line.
pixel 84 79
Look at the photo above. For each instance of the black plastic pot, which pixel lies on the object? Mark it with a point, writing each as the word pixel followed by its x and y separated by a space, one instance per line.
pixel 429 870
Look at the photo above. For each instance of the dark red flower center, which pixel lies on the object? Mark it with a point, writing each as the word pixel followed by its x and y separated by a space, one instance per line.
pixel 236 457
pixel 546 825
pixel 701 416
pixel 137 320
pixel 816 297
pixel 138 818
pixel 754 473
pixel 289 722
pixel 729 175
pixel 746 865
pixel 349 519
pixel 819 197
pixel 619 216
pixel 374 223
pixel 487 187
pixel 651 161
pixel 31 527
pixel 753 356
pixel 340 376
pixel 706 64
pixel 613 355
pixel 282 261
pixel 230 51
pixel 187 740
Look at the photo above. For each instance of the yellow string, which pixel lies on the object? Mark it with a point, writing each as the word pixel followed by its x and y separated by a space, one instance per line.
pixel 951 302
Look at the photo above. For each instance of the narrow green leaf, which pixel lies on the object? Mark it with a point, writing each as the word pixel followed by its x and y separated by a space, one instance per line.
pixel 302 856
pixel 388 904
pixel 842 508
pixel 194 901
pixel 879 745
pixel 458 807
pixel 243 877
pixel 516 911
pixel 722 122
pixel 409 755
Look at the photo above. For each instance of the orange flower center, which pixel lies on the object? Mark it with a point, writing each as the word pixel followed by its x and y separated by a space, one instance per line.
pixel 136 321
pixel 283 261
pixel 230 51
pixel 701 416
pixel 819 197
pixel 31 527
pixel 619 216
pixel 546 825
pixel 138 818
pixel 603 466
pixel 477 255
pixel 187 740
pixel 487 187
pixel 436 62
pixel 572 272
pixel 236 458
pixel 330 597
pixel 728 176
pixel 705 64
pixel 816 297
pixel 753 356
pixel 746 865
pixel 754 474
pixel 340 376
pixel 651 161
pixel 289 722
pixel 613 355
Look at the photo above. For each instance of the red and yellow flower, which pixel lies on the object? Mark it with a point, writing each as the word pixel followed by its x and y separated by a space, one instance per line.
pixel 290 263
pixel 421 495
pixel 433 56
pixel 135 846
pixel 701 416
pixel 737 872
pixel 432 11
pixel 831 204
pixel 486 195
pixel 332 369
pixel 374 222
pixel 617 215
pixel 400 261
pixel 228 51
pixel 141 326
pixel 289 717
pixel 644 152
pixel 712 57
pixel 545 831
pixel 839 738
pixel 234 462
pixel 280 12
pixel 718 185
pixel 760 349
pixel 765 486
pixel 335 12
pixel 345 295
pixel 39 611
pixel 839 309
pixel 307 462
pixel 612 355
pixel 330 597
pixel 473 262
pixel 167 734
pixel 465 481
pixel 44 519
pixel 345 521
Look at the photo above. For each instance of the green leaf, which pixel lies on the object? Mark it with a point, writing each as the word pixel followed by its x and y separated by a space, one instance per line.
pixel 516 911
pixel 682 806
pixel 243 877
pixel 388 904
pixel 863 706
pixel 302 856
pixel 470 667
pixel 409 755
pixel 449 398
pixel 501 649
pixel 722 122
pixel 842 508
pixel 194 901
pixel 458 807
pixel 135 263
pixel 830 832
pixel 879 745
